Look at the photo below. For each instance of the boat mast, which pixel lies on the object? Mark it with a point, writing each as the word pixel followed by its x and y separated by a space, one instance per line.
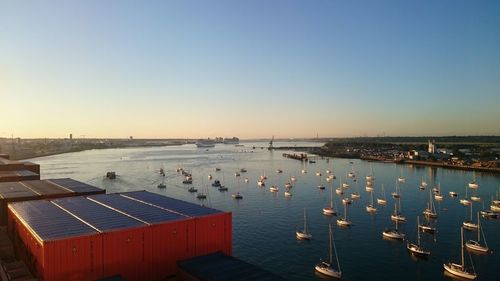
pixel 462 246
pixel 330 231
pixel 305 221
pixel 334 248
pixel 418 231
pixel 331 196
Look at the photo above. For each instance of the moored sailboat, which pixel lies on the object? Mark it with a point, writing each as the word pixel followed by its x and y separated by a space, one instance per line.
pixel 382 200
pixel 459 269
pixel 476 246
pixel 304 234
pixel 417 249
pixel 326 268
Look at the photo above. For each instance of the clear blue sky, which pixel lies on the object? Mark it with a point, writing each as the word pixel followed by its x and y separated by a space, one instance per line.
pixel 252 68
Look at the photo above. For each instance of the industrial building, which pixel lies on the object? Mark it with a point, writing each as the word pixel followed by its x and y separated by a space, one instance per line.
pixel 100 236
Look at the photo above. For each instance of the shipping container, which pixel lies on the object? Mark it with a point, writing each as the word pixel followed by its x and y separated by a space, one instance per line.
pixel 127 245
pixel 18 175
pixel 131 238
pixel 171 204
pixel 47 190
pixel 78 187
pixel 13 192
pixel 40 189
pixel 56 245
pixel 213 227
pixel 171 233
pixel 12 165
pixel 220 267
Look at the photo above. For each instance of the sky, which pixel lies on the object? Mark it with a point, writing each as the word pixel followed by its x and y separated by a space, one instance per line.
pixel 252 69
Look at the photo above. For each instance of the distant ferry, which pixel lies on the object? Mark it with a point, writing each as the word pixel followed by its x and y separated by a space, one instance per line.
pixel 233 140
pixel 205 143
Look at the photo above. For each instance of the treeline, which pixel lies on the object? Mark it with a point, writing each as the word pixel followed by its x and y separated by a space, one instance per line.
pixel 423 139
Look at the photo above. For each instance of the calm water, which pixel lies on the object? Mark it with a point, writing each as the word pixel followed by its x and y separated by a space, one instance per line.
pixel 264 223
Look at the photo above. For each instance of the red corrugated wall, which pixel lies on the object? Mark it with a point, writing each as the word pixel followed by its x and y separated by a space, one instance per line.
pixel 74 259
pixel 213 234
pixel 171 242
pixel 78 258
pixel 128 252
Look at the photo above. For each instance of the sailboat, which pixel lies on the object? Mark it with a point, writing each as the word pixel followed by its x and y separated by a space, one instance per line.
pixel 430 211
pixel 321 185
pixel 326 268
pixel 401 178
pixel 351 174
pixel 355 194
pixel 396 194
pixel 473 184
pixel 340 189
pixel 437 194
pixel 416 249
pixel 370 177
pixel 469 224
pixel 476 245
pixel 382 201
pixel 370 208
pixel 343 221
pixel 330 211
pixel 423 183
pixel 162 184
pixel 304 234
pixel 459 269
pixel 427 228
pixel 393 233
pixel 369 186
pixel 464 201
pixel 396 216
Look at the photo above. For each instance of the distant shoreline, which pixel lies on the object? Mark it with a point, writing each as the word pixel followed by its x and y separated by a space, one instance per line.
pixel 93 148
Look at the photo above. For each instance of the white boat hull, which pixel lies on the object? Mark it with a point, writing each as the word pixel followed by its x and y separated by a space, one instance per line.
pixel 343 222
pixel 474 246
pixel 329 211
pixel 457 270
pixel 328 270
pixel 393 234
pixel 303 236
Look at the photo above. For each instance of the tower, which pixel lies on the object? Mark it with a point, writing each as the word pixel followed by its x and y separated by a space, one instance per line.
pixel 431 147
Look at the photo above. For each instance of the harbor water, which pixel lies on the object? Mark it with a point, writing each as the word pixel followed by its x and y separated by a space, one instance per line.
pixel 264 223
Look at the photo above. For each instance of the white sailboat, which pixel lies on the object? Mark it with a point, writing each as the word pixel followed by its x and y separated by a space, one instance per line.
pixel 416 249
pixel 459 269
pixel 401 178
pixel 437 195
pixel 393 233
pixel 469 224
pixel 430 211
pixel 476 245
pixel 370 177
pixel 382 200
pixel 464 201
pixel 396 194
pixel 397 216
pixel 473 184
pixel 304 234
pixel 355 195
pixel 326 268
pixel 340 189
pixel 330 211
pixel 371 208
pixel 343 221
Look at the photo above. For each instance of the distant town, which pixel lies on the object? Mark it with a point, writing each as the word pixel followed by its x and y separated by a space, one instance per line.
pixel 467 152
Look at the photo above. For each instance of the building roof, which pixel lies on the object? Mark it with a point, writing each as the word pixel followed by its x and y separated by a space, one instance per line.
pixel 100 217
pixel 171 204
pixel 144 212
pixel 48 221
